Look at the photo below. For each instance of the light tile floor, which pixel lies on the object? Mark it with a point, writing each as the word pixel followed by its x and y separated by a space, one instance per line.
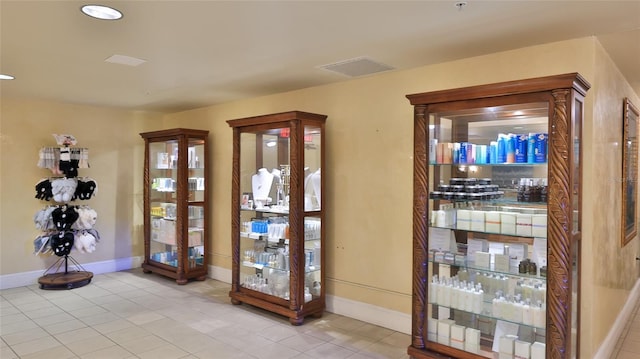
pixel 129 314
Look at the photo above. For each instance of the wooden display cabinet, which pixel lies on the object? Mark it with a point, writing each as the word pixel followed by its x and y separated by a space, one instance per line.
pixel 176 204
pixel 497 219
pixel 278 214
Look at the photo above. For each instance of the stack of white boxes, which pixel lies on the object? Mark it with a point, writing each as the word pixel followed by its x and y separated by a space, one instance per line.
pixel 506 346
pixel 522 350
pixel 508 223
pixel 432 326
pixel 492 222
pixel 523 224
pixel 444 331
pixel 457 336
pixel 511 223
pixel 472 340
pixel 463 219
pixel 539 225
pixel 538 350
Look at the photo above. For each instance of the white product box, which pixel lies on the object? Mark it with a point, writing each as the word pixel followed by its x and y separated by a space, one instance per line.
pixel 538 350
pixel 522 350
pixel 432 329
pixel 477 221
pixel 502 262
pixel 457 336
pixel 507 344
pixel 508 223
pixel 476 245
pixel 463 219
pixel 472 336
pixel 523 225
pixel 539 225
pixel 492 222
pixel 517 253
pixel 444 331
pixel 472 340
pixel 483 259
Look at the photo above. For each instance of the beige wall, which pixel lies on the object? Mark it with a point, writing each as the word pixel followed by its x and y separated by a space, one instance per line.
pixel 115 160
pixel 368 167
pixel 609 271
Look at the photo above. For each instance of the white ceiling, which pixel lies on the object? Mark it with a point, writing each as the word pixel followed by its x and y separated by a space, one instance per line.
pixel 200 53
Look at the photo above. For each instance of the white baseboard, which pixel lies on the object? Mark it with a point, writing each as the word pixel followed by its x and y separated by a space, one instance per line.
pixel 391 319
pixel 383 317
pixel 608 345
pixel 29 278
pixel 219 273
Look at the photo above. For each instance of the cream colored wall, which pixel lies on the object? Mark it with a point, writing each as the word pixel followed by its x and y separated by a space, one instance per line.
pixel 606 283
pixel 369 165
pixel 115 160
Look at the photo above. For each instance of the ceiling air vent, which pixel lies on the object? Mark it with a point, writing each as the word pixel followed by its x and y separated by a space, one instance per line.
pixel 359 66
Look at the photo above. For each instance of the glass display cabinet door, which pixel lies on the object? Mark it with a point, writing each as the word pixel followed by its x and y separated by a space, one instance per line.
pixel 488 229
pixel 163 185
pixel 264 212
pixel 176 204
pixel 196 208
pixel 312 207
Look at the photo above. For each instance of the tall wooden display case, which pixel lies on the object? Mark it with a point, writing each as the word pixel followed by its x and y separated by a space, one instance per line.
pixel 278 213
pixel 496 219
pixel 176 204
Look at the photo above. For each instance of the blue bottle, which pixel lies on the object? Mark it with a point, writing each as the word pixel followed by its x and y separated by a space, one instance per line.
pixel 531 148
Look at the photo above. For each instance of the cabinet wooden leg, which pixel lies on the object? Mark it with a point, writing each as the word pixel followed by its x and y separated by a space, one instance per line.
pixel 182 281
pixel 235 302
pixel 296 321
pixel 146 271
pixel 201 278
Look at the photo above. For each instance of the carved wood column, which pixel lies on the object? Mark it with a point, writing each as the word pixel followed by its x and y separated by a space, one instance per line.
pixel 420 225
pixel 559 230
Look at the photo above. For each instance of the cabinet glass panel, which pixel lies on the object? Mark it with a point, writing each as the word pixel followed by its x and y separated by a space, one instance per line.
pixel 264 212
pixel 163 212
pixel 312 183
pixel 195 215
pixel 312 254
pixel 488 227
pixel 195 153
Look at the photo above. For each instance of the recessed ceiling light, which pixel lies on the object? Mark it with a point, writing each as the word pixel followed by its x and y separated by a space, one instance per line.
pixel 101 12
pixel 6 77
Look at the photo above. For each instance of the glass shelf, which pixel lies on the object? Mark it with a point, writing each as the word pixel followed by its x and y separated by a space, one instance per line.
pixel 493 318
pixel 513 271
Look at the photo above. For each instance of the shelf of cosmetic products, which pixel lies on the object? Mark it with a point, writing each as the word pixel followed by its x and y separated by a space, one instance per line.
pixel 475 337
pixel 527 191
pixel 278 261
pixel 164 184
pixel 529 222
pixel 526 269
pixel 523 303
pixel 276 230
pixel 170 258
pixel 276 283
